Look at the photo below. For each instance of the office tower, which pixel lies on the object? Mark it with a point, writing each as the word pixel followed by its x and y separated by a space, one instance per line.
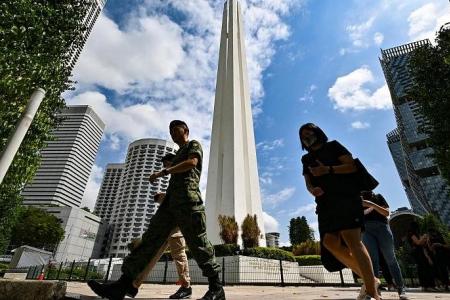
pixel 66 162
pixel 273 239
pixel 132 199
pixel 422 174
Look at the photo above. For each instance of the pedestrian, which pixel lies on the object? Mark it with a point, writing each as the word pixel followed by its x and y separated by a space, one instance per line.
pixel 378 236
pixel 177 246
pixel 182 207
pixel 423 260
pixel 329 171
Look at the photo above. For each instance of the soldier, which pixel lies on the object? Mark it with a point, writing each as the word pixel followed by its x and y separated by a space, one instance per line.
pixel 183 207
pixel 177 246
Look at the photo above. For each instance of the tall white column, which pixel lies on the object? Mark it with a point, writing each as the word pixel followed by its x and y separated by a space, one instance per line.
pixel 16 138
pixel 233 182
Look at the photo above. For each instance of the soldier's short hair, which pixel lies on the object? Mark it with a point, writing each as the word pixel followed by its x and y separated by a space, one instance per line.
pixel 178 123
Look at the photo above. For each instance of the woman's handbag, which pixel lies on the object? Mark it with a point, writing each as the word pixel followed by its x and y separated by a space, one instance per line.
pixel 366 182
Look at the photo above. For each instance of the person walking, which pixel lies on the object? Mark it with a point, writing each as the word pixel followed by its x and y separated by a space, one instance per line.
pixel 182 207
pixel 420 254
pixel 378 236
pixel 329 172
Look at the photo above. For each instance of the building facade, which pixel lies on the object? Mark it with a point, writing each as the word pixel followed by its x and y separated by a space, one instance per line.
pixel 125 200
pixel 80 231
pixel 421 176
pixel 273 239
pixel 91 16
pixel 67 161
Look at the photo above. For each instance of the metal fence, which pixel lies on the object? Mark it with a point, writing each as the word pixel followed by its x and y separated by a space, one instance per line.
pixel 235 270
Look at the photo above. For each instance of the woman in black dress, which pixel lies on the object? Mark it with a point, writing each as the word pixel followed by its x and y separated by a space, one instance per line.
pixel 329 169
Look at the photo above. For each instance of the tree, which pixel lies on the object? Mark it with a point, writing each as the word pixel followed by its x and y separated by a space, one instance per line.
pixel 299 231
pixel 430 68
pixel 85 208
pixel 34 40
pixel 36 228
pixel 431 223
pixel 229 229
pixel 250 232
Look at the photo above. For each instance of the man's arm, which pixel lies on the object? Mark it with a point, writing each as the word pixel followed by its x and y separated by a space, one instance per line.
pixel 182 167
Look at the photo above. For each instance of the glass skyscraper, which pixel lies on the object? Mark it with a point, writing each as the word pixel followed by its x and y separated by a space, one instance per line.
pixel 426 189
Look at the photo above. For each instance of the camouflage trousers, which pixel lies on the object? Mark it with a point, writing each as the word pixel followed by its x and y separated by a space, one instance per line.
pixel 177 246
pixel 190 218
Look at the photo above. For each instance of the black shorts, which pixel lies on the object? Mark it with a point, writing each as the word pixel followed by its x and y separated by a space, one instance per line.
pixel 336 213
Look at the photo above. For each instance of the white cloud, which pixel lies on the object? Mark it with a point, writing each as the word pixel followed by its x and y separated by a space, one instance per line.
pixel 162 69
pixel 378 38
pixel 350 92
pixel 308 95
pixel 360 125
pixel 426 20
pixel 148 49
pixel 358 32
pixel 92 187
pixel 303 210
pixel 268 146
pixel 270 223
pixel 279 197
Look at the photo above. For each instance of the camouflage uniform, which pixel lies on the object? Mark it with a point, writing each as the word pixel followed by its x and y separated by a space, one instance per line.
pixel 182 207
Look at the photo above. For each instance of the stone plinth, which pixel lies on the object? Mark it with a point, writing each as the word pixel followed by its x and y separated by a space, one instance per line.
pixel 32 289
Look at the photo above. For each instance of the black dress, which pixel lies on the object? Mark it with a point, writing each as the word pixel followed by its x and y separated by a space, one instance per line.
pixel 340 207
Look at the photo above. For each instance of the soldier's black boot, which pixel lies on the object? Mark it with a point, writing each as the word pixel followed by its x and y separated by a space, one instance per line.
pixel 215 291
pixel 116 290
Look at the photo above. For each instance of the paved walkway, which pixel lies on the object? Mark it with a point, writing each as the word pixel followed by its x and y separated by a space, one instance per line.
pixel 156 291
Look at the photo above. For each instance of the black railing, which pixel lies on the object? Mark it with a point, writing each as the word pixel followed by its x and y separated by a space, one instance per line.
pixel 236 270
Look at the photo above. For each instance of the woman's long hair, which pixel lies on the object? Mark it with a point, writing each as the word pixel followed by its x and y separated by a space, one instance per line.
pixel 321 136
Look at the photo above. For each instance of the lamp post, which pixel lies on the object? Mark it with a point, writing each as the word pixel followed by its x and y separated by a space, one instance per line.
pixel 16 138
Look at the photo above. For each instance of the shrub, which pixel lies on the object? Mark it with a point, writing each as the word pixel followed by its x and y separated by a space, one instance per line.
pixel 229 229
pixel 226 250
pixel 308 260
pixel 269 253
pixel 250 232
pixel 306 248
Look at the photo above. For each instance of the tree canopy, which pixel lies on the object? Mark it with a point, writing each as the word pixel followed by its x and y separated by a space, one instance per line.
pixel 35 41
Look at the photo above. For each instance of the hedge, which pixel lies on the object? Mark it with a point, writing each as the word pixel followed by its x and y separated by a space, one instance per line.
pixel 308 260
pixel 269 253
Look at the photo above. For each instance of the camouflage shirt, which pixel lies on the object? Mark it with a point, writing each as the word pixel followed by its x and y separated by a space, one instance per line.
pixel 184 187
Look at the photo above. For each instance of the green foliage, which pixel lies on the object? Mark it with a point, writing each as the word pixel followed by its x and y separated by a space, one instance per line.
pixel 77 273
pixel 229 229
pixel 250 232
pixel 85 208
pixel 299 231
pixel 306 248
pixel 430 68
pixel 36 228
pixel 226 250
pixel 269 253
pixel 308 260
pixel 430 223
pixel 3 266
pixel 34 39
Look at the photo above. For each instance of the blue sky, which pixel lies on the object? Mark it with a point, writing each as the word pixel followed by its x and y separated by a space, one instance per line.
pixel 148 62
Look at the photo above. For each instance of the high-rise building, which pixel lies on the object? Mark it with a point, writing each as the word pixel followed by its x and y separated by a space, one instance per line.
pixel 125 200
pixel 421 176
pixel 273 239
pixel 108 191
pixel 395 147
pixel 91 16
pixel 233 182
pixel 66 162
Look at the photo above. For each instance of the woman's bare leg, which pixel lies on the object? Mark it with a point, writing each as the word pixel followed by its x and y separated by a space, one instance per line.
pixel 352 238
pixel 333 242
